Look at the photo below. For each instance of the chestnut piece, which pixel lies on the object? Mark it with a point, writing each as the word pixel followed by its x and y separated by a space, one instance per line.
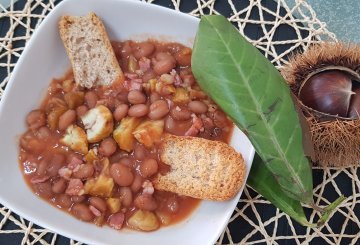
pixel 328 92
pixel 354 109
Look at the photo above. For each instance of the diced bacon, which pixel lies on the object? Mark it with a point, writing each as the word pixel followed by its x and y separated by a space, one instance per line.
pixel 173 72
pixel 192 131
pixel 189 80
pixel 198 124
pixel 170 103
pixel 74 162
pixel 39 179
pixel 131 75
pixel 177 78
pixel 127 84
pixel 208 123
pixel 95 211
pixel 102 102
pixel 148 188
pixel 135 84
pixel 65 173
pixel 144 64
pixel 139 72
pixel 196 127
pixel 116 221
pixel 138 80
pixel 77 168
pixel 75 187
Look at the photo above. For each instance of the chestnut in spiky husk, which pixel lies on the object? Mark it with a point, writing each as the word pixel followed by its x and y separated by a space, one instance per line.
pixel 326 81
pixel 328 92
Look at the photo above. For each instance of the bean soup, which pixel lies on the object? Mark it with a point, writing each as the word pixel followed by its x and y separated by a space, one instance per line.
pixel 93 152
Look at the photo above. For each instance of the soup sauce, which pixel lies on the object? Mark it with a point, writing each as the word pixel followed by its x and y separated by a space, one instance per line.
pixel 110 183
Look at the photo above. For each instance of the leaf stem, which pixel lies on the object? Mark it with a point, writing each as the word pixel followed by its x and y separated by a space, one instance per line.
pixel 329 209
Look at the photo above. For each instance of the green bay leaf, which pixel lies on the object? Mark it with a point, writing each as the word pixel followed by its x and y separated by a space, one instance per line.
pixel 254 94
pixel 263 182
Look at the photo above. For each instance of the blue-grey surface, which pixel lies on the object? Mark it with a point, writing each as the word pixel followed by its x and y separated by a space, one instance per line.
pixel 341 16
pixel 5 3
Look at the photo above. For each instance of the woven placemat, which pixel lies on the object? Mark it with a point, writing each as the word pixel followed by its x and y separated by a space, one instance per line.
pixel 277 28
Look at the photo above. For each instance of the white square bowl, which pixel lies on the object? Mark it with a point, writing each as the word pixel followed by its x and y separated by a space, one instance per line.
pixel 45 58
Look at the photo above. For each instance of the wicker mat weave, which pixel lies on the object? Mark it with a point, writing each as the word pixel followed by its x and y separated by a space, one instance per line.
pixel 277 28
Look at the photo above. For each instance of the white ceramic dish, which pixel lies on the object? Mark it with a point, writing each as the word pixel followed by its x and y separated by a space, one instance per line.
pixel 43 59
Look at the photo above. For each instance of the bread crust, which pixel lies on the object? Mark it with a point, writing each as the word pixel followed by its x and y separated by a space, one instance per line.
pixel 200 168
pixel 75 37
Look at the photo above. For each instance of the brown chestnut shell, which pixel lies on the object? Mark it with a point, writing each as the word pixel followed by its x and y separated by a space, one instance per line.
pixel 354 109
pixel 320 84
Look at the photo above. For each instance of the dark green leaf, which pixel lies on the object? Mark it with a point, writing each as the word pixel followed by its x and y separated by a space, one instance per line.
pixel 254 94
pixel 262 181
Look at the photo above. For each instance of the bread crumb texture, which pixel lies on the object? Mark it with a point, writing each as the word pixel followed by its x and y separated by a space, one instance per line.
pixel 89 49
pixel 200 168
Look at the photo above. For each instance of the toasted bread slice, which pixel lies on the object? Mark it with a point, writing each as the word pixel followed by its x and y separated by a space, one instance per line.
pixel 93 60
pixel 200 168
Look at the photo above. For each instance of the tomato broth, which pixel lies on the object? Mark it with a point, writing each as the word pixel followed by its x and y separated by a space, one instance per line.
pixel 109 181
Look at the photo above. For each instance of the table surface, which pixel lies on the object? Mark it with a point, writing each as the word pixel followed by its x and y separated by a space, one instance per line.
pixel 255 221
pixel 341 16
